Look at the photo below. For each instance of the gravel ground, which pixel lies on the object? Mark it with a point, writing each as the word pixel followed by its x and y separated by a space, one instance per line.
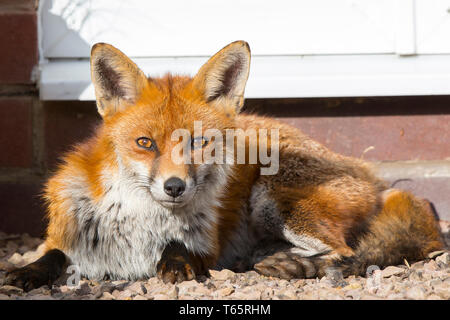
pixel 428 279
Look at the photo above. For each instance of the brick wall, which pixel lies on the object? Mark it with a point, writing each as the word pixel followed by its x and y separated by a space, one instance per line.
pixel 411 133
pixel 20 162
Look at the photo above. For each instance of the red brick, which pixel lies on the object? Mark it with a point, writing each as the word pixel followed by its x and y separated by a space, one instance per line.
pixel 67 123
pixel 16 138
pixel 22 209
pixel 18 5
pixel 399 128
pixel 19 53
pixel 419 137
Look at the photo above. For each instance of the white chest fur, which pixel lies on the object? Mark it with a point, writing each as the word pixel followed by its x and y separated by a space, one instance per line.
pixel 124 235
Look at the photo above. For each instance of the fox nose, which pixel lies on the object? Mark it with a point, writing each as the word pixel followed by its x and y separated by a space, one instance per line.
pixel 174 187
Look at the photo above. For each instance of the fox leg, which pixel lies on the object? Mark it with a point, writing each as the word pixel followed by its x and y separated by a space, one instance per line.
pixel 320 223
pixel 177 264
pixel 288 246
pixel 292 261
pixel 43 271
pixel 286 260
pixel 403 228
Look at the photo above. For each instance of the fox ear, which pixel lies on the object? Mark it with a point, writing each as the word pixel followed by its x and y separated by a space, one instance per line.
pixel 117 80
pixel 223 77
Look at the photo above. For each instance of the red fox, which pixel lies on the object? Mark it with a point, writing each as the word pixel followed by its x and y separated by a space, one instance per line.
pixel 121 207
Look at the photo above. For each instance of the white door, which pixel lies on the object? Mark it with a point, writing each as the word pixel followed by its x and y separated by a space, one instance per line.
pixel 197 28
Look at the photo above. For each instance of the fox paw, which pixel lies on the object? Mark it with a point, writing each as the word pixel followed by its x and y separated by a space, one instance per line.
pixel 286 265
pixel 174 270
pixel 27 278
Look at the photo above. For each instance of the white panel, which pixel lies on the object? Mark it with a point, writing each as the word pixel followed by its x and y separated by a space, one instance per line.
pixel 433 26
pixel 144 28
pixel 272 77
pixel 405 35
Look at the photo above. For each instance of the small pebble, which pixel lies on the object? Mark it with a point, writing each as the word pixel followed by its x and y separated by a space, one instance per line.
pixel 391 271
pixel 172 293
pixel 187 286
pixel 107 296
pixel 16 259
pixel 267 294
pixel 10 290
pixel 222 275
pixel 443 260
pixel 415 293
pixel 430 265
pixel 435 254
pixel 137 287
pixel 125 295
pixel 83 289
pixel 290 294
pixel 45 290
pixel 352 286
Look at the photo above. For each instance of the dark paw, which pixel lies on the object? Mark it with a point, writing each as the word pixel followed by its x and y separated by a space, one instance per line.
pixel 27 278
pixel 174 270
pixel 286 265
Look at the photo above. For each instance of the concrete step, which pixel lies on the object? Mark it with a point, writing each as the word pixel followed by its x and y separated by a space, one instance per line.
pixel 426 179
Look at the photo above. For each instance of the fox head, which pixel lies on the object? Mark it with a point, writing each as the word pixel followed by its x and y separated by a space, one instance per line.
pixel 159 127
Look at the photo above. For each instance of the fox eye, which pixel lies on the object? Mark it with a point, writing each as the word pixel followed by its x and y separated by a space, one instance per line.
pixel 199 142
pixel 145 143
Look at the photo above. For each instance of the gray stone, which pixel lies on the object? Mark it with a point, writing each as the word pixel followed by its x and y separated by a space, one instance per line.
pixel 222 275
pixel 16 259
pixel 187 286
pixel 107 296
pixel 443 260
pixel 137 287
pixel 435 254
pixel 267 294
pixel 418 265
pixel 102 288
pixel 254 295
pixel 392 271
pixel 430 265
pixel 172 293
pixel 45 290
pixel 120 285
pixel 10 290
pixel 125 295
pixel 354 294
pixel 415 293
pixel 290 294
pixel 224 292
pixel 83 289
